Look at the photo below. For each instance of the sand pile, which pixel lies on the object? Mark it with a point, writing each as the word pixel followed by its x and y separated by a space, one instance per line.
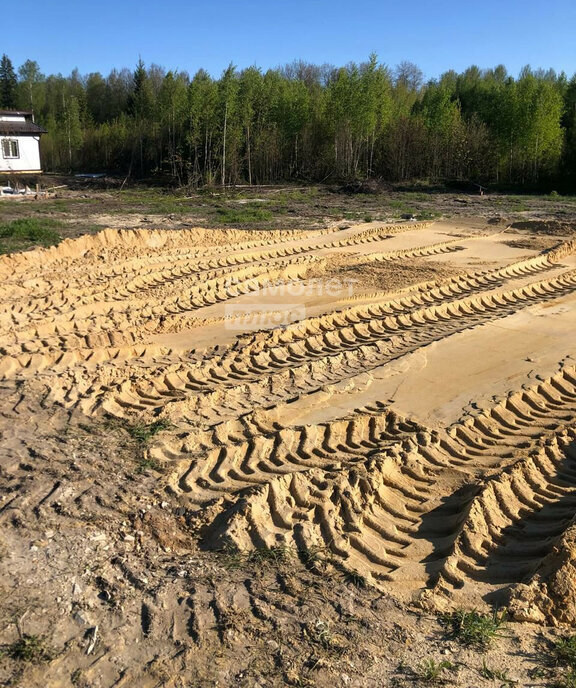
pixel 289 433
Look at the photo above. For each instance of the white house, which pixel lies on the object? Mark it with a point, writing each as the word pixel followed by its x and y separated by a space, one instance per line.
pixel 19 142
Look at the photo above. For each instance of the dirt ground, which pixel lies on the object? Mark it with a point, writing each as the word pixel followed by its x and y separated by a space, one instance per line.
pixel 267 457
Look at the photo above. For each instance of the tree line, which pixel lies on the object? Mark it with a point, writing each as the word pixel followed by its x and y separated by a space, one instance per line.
pixel 304 122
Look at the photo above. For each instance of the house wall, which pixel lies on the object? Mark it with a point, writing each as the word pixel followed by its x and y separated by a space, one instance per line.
pixel 29 160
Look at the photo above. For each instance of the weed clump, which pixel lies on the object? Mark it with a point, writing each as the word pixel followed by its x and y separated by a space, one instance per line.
pixel 238 216
pixel 564 651
pixel 257 557
pixel 26 232
pixel 143 432
pixel 431 671
pixel 32 649
pixel 496 675
pixel 473 628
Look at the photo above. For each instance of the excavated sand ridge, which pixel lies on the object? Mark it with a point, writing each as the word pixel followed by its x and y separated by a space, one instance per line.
pixel 298 432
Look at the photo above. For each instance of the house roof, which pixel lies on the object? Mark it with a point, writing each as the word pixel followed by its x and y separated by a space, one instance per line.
pixel 20 128
pixel 16 112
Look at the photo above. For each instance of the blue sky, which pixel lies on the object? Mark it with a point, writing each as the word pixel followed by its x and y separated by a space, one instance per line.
pixel 435 34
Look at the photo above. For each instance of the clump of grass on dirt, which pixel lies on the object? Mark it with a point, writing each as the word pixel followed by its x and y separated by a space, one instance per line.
pixel 473 628
pixel 564 651
pixel 564 654
pixel 147 463
pixel 26 232
pixel 431 671
pixel 320 633
pixel 139 431
pixel 424 215
pixel 496 675
pixel 32 649
pixel 236 559
pixel 144 432
pixel 566 681
pixel 238 216
pixel 356 579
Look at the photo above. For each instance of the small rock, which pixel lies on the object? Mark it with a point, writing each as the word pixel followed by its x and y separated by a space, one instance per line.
pixel 49 534
pixel 164 504
pixel 129 538
pixel 81 619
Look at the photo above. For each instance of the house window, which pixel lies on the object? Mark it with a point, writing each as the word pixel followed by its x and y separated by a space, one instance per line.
pixel 10 148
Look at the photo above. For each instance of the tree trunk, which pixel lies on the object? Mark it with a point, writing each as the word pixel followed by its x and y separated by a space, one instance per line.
pixel 224 145
pixel 249 154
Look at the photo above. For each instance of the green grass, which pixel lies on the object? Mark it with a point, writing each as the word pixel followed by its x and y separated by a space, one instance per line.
pixel 236 559
pixel 473 628
pixel 496 675
pixel 147 463
pixel 139 431
pixel 356 579
pixel 431 671
pixel 143 432
pixel 564 651
pixel 27 232
pixel 320 633
pixel 239 216
pixel 29 648
pixel 564 654
pixel 398 205
pixel 568 680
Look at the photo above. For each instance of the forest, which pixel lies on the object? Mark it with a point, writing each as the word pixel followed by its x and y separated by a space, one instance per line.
pixel 304 122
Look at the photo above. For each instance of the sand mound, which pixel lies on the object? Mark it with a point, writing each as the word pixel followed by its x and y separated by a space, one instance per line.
pixel 557 227
pixel 550 597
pixel 281 435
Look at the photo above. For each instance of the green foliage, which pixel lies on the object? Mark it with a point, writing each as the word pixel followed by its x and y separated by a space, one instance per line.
pixel 356 579
pixel 143 432
pixel 8 84
pixel 564 651
pixel 32 649
pixel 568 680
pixel 302 121
pixel 147 463
pixel 247 215
pixel 258 557
pixel 473 628
pixel 26 232
pixel 320 633
pixel 496 675
pixel 431 671
pixel 424 215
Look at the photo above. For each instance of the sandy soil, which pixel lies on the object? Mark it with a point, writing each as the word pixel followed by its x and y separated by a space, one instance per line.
pixel 272 458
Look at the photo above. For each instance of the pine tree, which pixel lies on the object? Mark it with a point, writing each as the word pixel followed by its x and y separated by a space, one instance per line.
pixel 8 84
